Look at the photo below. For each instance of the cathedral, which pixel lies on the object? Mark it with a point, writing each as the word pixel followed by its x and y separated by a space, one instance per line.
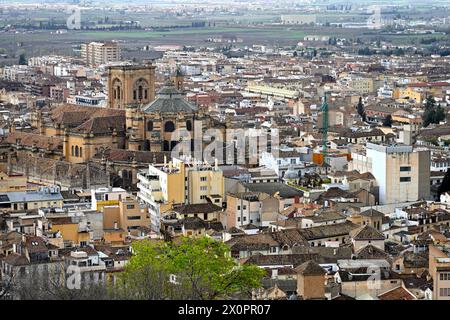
pixel 137 117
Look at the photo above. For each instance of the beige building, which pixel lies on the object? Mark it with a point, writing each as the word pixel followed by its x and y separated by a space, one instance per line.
pixel 130 85
pixel 183 181
pixel 310 281
pixel 257 208
pixel 402 173
pixel 128 215
pixel 361 85
pixel 12 182
pixel 97 53
pixel 439 268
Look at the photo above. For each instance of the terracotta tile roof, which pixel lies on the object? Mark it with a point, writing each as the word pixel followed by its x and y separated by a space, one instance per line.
pixel 399 293
pixel 372 213
pixel 371 252
pixel 32 139
pixel 366 233
pixel 103 125
pixel 15 259
pixel 197 208
pixel 328 231
pixel 310 268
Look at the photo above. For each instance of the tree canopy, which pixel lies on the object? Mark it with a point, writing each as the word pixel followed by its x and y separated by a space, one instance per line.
pixel 387 122
pixel 193 268
pixel 433 113
pixel 445 185
pixel 360 109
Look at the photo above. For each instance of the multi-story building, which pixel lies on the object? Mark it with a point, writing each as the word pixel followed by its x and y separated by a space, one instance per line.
pixel 402 172
pixel 97 53
pixel 106 197
pixel 187 181
pixel 439 268
pixel 129 214
pixel 256 208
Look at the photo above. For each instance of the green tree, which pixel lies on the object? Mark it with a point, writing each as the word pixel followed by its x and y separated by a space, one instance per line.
pixel 433 113
pixel 202 267
pixel 360 109
pixel 22 59
pixel 445 185
pixel 387 122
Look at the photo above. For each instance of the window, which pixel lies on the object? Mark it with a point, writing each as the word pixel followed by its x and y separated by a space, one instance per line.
pixel 405 169
pixel 444 276
pixel 203 179
pixel 130 206
pixel 169 126
pixel 405 179
pixel 188 125
pixel 134 217
pixel 203 197
pixel 239 219
pixel 203 188
pixel 444 292
pixel 150 126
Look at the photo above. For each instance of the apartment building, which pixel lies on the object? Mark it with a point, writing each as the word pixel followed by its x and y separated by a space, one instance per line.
pixel 256 208
pixel 181 181
pixel 102 197
pixel 439 268
pixel 129 214
pixel 97 53
pixel 402 173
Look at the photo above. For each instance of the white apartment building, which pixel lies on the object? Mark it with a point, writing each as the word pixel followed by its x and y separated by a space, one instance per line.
pixel 402 172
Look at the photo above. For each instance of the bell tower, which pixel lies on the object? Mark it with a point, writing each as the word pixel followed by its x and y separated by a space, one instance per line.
pixel 178 79
pixel 130 85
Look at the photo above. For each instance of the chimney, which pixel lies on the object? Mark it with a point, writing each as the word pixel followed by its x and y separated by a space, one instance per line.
pixel 274 273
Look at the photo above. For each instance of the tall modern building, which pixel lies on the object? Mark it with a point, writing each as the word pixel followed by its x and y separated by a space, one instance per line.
pixel 97 53
pixel 402 172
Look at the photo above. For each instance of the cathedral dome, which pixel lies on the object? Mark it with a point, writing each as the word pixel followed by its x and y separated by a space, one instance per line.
pixel 169 100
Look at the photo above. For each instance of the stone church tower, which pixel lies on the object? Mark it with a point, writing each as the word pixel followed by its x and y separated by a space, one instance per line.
pixel 130 85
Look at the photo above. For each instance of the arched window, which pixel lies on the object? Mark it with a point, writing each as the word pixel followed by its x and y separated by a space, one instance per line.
pixel 116 88
pixel 150 126
pixel 140 87
pixel 145 94
pixel 76 151
pixel 188 125
pixel 140 93
pixel 81 151
pixel 73 152
pixel 169 126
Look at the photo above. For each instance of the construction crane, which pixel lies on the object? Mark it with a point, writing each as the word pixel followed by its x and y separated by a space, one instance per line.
pixel 324 110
